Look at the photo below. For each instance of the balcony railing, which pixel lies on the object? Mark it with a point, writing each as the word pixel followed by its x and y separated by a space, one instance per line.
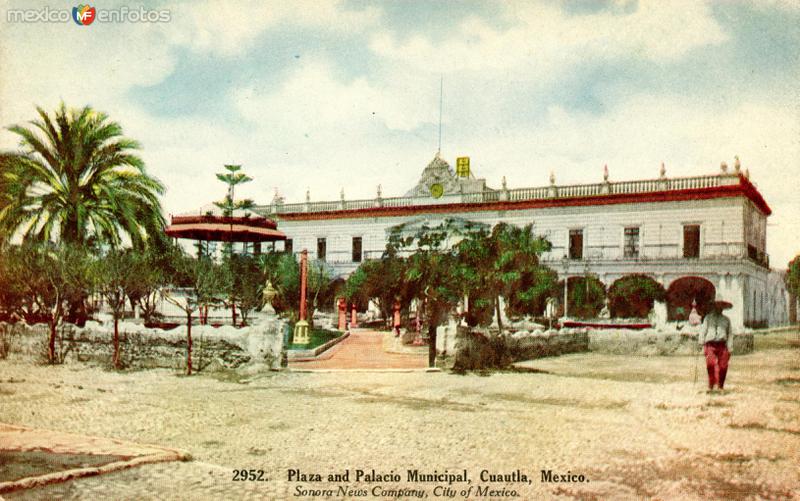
pixel 518 194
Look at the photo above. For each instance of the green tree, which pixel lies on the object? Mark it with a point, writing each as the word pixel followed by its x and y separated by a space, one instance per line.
pixel 229 204
pixel 154 265
pixel 244 281
pixel 284 272
pixel 530 294
pixel 793 284
pixel 586 296
pixel 634 295
pixel 432 274
pixel 504 262
pixel 14 303
pixel 381 280
pixel 320 276
pixel 793 276
pixel 79 181
pixel 202 282
pixel 117 275
pixel 52 277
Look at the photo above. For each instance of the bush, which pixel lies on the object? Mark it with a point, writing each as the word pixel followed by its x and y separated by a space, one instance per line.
pixel 479 352
pixel 634 295
pixel 586 296
pixel 480 310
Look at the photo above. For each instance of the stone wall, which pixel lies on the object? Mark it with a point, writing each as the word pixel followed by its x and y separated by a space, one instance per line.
pixel 533 344
pixel 260 344
pixel 649 342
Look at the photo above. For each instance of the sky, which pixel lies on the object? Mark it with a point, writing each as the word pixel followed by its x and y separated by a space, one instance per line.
pixel 328 95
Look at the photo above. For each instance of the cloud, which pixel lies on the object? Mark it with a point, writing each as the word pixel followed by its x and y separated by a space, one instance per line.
pixel 312 100
pixel 544 41
pixel 692 137
pixel 329 122
pixel 230 29
pixel 46 63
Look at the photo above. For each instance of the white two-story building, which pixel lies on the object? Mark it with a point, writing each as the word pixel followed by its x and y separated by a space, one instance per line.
pixel 694 235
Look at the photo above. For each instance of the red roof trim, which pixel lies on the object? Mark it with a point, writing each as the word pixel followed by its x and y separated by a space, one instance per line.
pixel 745 188
pixel 253 222
pixel 223 232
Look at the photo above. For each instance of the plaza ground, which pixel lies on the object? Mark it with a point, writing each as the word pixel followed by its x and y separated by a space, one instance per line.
pixel 635 427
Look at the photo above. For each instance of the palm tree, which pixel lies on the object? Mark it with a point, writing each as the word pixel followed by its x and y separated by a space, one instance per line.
pixel 77 180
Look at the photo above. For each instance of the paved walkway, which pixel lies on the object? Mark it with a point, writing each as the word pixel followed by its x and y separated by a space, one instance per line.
pixel 363 349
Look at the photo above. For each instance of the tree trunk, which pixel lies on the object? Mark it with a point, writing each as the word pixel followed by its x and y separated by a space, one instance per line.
pixel 116 342
pixel 233 313
pixel 432 345
pixel 188 344
pixel 51 344
pixel 497 309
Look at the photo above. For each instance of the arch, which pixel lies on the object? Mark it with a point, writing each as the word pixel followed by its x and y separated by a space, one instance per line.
pixel 683 291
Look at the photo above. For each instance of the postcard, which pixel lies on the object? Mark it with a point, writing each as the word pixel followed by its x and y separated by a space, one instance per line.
pixel 347 249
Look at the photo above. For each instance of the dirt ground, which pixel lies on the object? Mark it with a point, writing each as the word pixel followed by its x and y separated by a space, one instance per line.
pixel 632 427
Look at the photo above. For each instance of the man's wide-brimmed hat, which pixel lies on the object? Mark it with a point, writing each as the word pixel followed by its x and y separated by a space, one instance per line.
pixel 721 303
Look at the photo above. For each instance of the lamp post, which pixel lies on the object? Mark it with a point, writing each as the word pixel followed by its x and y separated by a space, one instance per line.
pixel 301 327
pixel 565 262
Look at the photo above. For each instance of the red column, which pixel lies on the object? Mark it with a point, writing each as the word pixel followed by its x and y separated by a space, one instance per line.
pixel 342 307
pixel 303 282
pixel 353 317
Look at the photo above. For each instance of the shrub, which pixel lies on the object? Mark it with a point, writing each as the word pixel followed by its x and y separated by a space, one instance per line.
pixel 634 295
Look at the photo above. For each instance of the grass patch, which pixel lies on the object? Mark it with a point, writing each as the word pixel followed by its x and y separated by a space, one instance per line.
pixel 776 341
pixel 317 337
pixel 788 380
pixel 418 404
pixel 762 427
pixel 716 403
pixel 15 465
pixel 560 402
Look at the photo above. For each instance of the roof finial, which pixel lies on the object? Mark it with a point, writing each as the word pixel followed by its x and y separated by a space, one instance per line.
pixel 341 194
pixel 737 166
pixel 662 171
pixel 552 178
pixel 504 183
pixel 605 173
pixel 379 191
pixel 308 194
pixel 723 167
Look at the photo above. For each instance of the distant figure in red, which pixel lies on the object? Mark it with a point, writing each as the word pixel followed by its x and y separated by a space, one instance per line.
pixel 717 341
pixel 396 318
pixel 342 307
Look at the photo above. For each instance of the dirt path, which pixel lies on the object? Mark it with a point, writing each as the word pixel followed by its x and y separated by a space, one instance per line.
pixel 636 427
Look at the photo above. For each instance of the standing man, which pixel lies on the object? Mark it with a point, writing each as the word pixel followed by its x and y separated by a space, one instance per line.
pixel 716 339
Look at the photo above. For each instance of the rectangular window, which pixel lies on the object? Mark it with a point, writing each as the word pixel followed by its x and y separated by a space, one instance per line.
pixel 288 246
pixel 576 244
pixel 322 249
pixel 631 242
pixel 356 249
pixel 691 240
